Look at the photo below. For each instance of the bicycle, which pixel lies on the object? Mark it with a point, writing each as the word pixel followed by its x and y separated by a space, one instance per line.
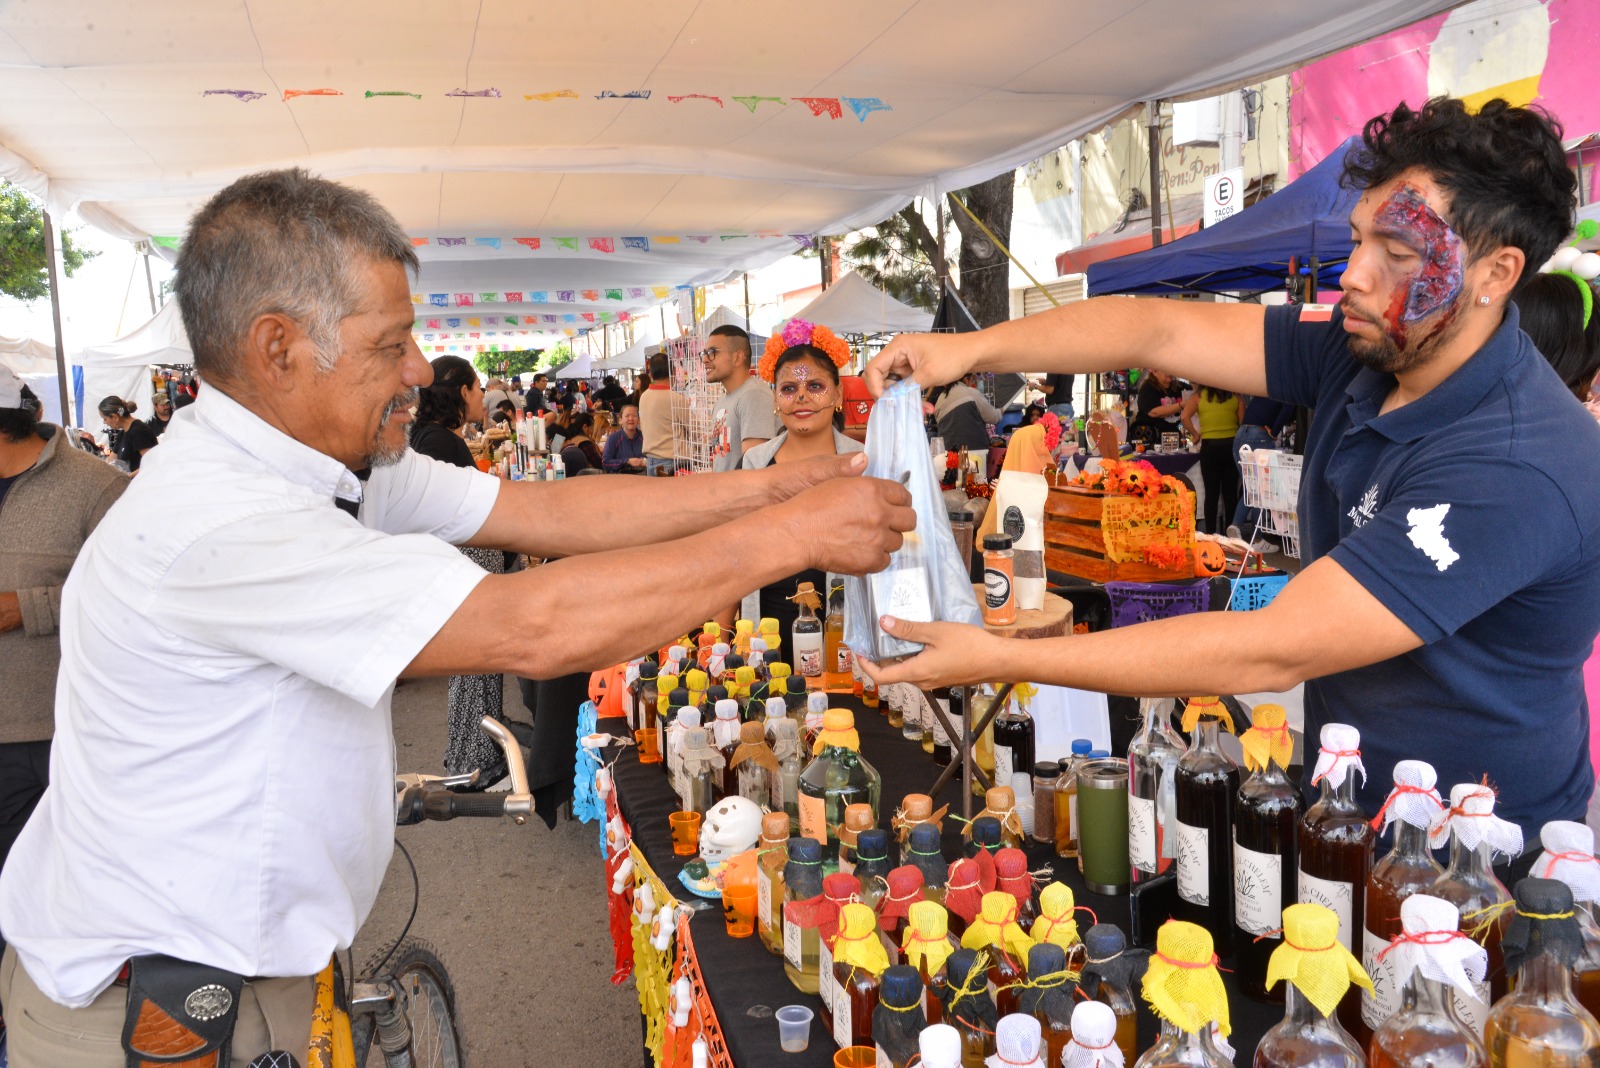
pixel 403 1003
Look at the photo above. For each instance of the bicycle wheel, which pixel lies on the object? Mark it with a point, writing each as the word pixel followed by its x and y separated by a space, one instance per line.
pixel 430 1006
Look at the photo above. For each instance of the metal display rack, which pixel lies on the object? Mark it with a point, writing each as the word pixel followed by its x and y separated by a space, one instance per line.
pixel 1272 484
pixel 694 400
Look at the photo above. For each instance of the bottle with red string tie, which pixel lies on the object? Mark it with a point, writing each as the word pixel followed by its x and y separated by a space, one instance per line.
pixel 1093 1043
pixel 1475 834
pixel 1183 987
pixel 1017 1043
pixel 924 850
pixel 1335 844
pixel 996 930
pixel 725 736
pixel 1266 816
pixel 963 895
pixel 926 945
pixel 968 1007
pixel 894 908
pixel 1011 875
pixel 1540 1024
pixel 1057 923
pixel 1429 957
pixel 1408 868
pixel 1112 974
pixel 1569 857
pixel 1207 786
pixel 1048 996
pixel 1318 969
pixel 838 890
pixel 859 958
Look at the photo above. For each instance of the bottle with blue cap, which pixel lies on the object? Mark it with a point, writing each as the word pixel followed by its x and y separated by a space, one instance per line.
pixel 1067 799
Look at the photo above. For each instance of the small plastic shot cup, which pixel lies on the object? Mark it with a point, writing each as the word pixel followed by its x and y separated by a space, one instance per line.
pixel 794 1028
pixel 649 750
pixel 739 910
pixel 685 833
pixel 856 1057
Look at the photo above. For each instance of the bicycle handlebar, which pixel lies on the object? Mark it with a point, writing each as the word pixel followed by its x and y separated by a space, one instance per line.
pixel 421 798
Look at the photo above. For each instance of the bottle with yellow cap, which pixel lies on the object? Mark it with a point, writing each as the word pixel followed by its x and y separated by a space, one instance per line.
pixel 996 931
pixel 1182 985
pixel 1316 970
pixel 858 960
pixel 1540 1024
pixel 772 635
pixel 1266 813
pixel 837 777
pixel 1207 786
pixel 925 944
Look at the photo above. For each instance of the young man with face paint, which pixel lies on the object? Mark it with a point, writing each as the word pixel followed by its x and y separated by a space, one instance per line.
pixel 1448 514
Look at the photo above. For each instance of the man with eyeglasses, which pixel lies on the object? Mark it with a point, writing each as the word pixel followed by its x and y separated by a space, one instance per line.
pixel 745 416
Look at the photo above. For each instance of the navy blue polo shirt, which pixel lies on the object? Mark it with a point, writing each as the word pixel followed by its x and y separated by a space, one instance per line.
pixel 1473 515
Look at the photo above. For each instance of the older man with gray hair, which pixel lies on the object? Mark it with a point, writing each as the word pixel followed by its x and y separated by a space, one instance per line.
pixel 285 557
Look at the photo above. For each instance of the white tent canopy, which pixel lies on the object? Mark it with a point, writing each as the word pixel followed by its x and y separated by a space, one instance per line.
pixel 26 356
pixel 580 367
pixel 121 368
pixel 853 305
pixel 632 358
pixel 609 148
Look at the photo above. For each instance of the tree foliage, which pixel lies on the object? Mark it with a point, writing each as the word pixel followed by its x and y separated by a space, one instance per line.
pixel 890 257
pixel 503 364
pixel 23 273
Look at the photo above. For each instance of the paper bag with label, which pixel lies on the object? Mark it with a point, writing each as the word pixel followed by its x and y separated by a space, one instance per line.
pixel 925 580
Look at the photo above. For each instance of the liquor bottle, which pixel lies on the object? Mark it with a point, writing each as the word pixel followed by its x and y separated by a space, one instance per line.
pixel 775 712
pixel 940 1046
pixel 857 818
pixel 838 890
pixel 1335 843
pixel 1569 856
pixel 753 766
pixel 837 777
pixel 995 931
pixel 1012 877
pixel 772 634
pixel 968 1007
pixel 697 682
pixel 936 735
pixel 1055 924
pixel 1110 974
pixel 807 636
pixel 1183 987
pixel 811 721
pixel 1427 958
pixel 1093 1042
pixel 1000 802
pixel 985 842
pixel 1152 791
pixel 1207 783
pixel 786 783
pixel 1317 969
pixel 858 960
pixel 1066 799
pixel 1540 1023
pixel 725 735
pixel 898 1019
pixel 1018 1039
pixel 838 674
pixel 699 770
pixel 923 850
pixel 717 662
pixel 683 717
pixel 1408 868
pixel 802 895
pixel 1266 813
pixel 903 889
pixel 769 880
pixel 743 631
pixel 1045 775
pixel 756 660
pixel 909 701
pixel 963 894
pixel 926 945
pixel 649 712
pixel 869 697
pixel 1013 750
pixel 1048 997
pixel 1475 834
pixel 872 864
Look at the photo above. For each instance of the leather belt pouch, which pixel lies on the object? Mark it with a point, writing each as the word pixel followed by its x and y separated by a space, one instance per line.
pixel 180 1015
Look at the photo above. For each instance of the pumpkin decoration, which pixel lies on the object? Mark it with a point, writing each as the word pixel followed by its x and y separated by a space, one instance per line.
pixel 1209 559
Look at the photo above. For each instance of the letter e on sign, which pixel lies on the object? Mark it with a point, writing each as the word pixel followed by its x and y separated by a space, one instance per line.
pixel 1224 195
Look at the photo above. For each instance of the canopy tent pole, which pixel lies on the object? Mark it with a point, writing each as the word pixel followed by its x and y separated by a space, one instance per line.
pixel 149 283
pixel 747 326
pixel 1153 113
pixel 55 312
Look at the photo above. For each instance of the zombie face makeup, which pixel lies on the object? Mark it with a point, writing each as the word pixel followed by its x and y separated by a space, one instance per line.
pixel 1413 265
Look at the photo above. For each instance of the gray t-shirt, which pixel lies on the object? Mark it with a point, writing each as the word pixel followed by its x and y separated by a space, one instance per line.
pixel 744 413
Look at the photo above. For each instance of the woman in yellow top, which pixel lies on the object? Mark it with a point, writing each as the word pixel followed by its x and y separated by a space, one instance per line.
pixel 1217 413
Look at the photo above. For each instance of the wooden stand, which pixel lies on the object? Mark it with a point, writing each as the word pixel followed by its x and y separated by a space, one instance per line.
pixel 1051 621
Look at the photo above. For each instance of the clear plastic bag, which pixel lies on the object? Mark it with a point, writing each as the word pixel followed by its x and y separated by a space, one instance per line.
pixel 925 581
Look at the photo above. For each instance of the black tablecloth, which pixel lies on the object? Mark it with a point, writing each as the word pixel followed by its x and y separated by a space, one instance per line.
pixel 746 983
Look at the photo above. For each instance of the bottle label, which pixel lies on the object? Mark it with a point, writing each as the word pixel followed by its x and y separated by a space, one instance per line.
pixel 1003 764
pixel 940 735
pixel 1384 1001
pixel 1141 832
pixel 1194 864
pixel 1474 1011
pixel 825 981
pixel 996 588
pixel 764 898
pixel 808 655
pixel 844 663
pixel 841 1016
pixel 1257 890
pixel 903 593
pixel 1072 816
pixel 813 818
pixel 1335 896
pixel 791 943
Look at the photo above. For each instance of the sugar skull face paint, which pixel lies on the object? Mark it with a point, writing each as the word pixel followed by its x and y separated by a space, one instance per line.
pixel 1435 284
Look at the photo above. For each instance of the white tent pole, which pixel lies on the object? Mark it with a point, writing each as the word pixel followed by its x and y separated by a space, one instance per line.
pixel 55 314
pixel 149 283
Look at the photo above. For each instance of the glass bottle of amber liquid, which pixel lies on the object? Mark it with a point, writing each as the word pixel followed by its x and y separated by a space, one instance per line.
pixel 1425 1030
pixel 1109 975
pixel 1470 884
pixel 838 665
pixel 769 880
pixel 1569 856
pixel 836 778
pixel 1266 814
pixel 802 883
pixel 1152 770
pixel 1207 783
pixel 1335 843
pixel 1408 868
pixel 859 960
pixel 1540 1024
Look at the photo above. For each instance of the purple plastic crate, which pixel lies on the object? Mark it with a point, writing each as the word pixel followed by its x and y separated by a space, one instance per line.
pixel 1140 602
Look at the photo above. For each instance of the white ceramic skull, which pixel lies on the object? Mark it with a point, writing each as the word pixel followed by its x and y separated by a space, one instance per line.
pixel 730 827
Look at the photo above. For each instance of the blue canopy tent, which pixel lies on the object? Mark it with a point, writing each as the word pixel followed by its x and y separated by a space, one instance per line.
pixel 1250 252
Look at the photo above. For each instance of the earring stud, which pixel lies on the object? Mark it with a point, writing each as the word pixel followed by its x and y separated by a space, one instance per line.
pixel 1483 300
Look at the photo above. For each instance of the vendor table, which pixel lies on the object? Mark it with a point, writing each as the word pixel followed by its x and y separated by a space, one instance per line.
pixel 746 984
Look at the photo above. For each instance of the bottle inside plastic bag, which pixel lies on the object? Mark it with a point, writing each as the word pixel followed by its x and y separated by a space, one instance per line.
pixel 925 581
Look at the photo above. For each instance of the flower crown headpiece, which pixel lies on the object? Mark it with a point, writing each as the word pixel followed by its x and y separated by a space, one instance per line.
pixel 800 332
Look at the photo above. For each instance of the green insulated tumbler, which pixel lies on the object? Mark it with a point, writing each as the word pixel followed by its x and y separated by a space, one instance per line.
pixel 1103 825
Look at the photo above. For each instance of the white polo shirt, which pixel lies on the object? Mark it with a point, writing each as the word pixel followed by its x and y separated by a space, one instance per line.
pixel 221 784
